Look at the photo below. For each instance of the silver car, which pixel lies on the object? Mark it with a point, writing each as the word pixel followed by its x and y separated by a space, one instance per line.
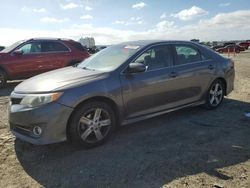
pixel 119 85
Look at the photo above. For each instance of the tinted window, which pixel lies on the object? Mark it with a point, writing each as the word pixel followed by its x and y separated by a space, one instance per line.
pixel 156 58
pixel 54 47
pixel 186 54
pixel 34 47
pixel 79 46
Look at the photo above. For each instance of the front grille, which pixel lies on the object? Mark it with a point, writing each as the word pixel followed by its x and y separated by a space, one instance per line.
pixel 16 100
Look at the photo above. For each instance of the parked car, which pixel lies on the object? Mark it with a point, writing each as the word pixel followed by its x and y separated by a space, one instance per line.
pixel 229 43
pixel 31 57
pixel 217 47
pixel 222 45
pixel 121 84
pixel 92 50
pixel 231 48
pixel 1 48
pixel 244 45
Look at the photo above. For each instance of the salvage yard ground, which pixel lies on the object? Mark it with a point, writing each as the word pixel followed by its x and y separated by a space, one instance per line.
pixel 188 148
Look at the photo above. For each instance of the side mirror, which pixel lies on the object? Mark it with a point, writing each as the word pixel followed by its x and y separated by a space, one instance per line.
pixel 136 67
pixel 18 52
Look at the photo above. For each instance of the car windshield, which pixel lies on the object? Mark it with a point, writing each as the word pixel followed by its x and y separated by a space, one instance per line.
pixel 109 58
pixel 13 46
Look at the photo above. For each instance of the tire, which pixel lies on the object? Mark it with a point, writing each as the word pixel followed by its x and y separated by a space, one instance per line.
pixel 3 79
pixel 215 95
pixel 92 124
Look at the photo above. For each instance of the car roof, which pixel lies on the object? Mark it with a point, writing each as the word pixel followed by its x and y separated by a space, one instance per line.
pixel 49 39
pixel 150 42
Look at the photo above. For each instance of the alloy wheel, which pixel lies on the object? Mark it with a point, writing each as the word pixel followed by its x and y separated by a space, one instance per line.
pixel 216 94
pixel 94 125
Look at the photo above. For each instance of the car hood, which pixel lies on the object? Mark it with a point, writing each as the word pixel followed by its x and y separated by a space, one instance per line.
pixel 58 80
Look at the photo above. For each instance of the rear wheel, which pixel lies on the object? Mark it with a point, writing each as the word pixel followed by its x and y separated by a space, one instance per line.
pixel 215 95
pixel 92 124
pixel 3 79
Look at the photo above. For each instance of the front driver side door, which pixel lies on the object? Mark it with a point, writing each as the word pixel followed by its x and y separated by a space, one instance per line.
pixel 149 91
pixel 26 64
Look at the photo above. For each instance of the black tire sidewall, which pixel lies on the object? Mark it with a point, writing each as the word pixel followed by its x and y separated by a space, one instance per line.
pixel 73 124
pixel 208 104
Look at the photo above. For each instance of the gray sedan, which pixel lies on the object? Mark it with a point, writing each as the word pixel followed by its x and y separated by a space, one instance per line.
pixel 119 85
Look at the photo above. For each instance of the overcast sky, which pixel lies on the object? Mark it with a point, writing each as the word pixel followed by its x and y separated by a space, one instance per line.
pixel 114 21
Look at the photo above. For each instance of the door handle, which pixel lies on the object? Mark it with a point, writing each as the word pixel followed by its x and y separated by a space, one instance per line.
pixel 173 74
pixel 210 67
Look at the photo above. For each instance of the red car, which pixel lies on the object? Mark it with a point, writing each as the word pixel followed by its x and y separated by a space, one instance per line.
pixel 31 57
pixel 244 45
pixel 231 48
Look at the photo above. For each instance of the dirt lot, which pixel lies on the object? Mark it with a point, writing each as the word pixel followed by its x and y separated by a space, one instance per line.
pixel 188 148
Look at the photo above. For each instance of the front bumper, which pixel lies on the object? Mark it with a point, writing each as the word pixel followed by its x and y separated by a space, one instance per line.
pixel 52 118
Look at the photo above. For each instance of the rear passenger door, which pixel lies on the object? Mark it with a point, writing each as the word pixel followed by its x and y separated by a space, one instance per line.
pixel 193 73
pixel 55 55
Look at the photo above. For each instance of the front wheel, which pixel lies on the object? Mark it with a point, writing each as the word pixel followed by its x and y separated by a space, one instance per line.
pixel 215 95
pixel 92 124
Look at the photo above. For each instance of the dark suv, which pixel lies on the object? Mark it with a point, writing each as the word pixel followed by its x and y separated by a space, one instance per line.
pixel 31 57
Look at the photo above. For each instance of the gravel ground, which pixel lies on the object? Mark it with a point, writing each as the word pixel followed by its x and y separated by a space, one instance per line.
pixel 187 148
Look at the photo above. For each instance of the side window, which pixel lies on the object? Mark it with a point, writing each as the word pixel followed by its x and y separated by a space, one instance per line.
pixel 54 47
pixel 186 54
pixel 156 58
pixel 204 57
pixel 79 46
pixel 30 48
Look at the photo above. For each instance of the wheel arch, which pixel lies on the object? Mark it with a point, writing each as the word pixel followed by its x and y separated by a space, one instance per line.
pixel 224 82
pixel 104 99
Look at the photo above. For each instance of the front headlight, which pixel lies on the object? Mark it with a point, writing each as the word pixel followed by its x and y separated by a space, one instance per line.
pixel 33 100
